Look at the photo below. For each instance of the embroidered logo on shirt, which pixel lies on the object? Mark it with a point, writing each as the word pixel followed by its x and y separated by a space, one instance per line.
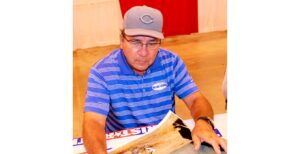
pixel 159 86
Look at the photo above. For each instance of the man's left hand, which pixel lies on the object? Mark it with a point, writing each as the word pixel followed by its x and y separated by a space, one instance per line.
pixel 203 132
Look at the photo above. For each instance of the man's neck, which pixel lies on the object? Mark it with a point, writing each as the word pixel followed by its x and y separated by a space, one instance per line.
pixel 141 73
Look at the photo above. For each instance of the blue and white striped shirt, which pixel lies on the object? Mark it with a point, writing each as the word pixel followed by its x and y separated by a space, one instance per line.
pixel 131 100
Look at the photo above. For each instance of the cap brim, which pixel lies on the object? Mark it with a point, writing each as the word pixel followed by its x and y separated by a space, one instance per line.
pixel 145 32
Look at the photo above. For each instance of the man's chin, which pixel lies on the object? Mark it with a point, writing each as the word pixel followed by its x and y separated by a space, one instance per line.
pixel 141 69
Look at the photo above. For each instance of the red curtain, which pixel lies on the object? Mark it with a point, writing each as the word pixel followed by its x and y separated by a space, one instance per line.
pixel 180 16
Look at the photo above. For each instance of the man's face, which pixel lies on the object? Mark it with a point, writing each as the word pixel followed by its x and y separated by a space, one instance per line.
pixel 140 51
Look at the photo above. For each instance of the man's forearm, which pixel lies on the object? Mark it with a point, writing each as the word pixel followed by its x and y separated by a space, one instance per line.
pixel 94 144
pixel 94 137
pixel 201 107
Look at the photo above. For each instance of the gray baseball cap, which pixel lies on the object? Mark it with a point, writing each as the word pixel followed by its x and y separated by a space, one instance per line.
pixel 143 20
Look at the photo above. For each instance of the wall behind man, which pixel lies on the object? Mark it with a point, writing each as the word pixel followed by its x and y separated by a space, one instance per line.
pixel 98 22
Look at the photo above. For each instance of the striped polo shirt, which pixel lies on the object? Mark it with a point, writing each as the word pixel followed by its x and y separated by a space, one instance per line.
pixel 131 100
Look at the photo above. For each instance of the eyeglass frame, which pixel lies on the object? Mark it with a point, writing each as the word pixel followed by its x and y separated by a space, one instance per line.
pixel 139 45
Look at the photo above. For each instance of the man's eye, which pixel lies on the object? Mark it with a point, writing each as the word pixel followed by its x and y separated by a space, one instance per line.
pixel 135 42
pixel 152 44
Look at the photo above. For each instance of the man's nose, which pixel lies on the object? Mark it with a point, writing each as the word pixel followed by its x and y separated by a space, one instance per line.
pixel 143 51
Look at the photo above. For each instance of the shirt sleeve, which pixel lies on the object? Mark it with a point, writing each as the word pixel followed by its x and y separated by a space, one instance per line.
pixel 183 83
pixel 97 95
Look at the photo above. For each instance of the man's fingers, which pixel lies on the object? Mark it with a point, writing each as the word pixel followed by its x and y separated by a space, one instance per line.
pixel 197 143
pixel 216 147
pixel 223 144
pixel 211 138
pixel 217 143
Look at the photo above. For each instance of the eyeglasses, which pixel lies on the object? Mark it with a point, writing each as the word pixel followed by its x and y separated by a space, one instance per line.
pixel 139 45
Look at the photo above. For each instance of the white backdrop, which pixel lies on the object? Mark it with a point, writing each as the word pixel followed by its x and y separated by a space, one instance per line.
pixel 98 22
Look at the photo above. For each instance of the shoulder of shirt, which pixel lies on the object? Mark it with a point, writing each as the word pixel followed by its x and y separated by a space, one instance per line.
pixel 109 59
pixel 167 55
pixel 164 53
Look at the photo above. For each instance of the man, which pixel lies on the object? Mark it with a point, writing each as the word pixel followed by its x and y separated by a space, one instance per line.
pixel 135 86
